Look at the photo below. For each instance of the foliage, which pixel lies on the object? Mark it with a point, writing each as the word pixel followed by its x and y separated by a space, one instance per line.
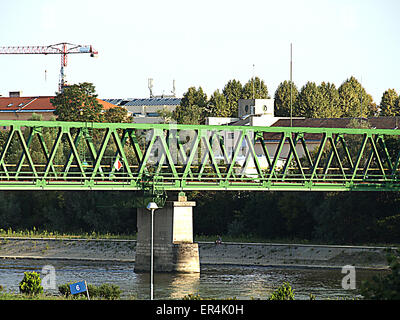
pixel 282 98
pixel 318 101
pixel 255 88
pixel 78 103
pixel 384 287
pixel 232 92
pixel 108 291
pixel 308 102
pixel 68 211
pixel 390 103
pixel 284 292
pixel 348 217
pixel 31 284
pixel 329 105
pixel 64 289
pixel 297 215
pixel 261 215
pixel 354 101
pixel 117 114
pixel 313 101
pixel 332 217
pixel 192 109
pixel 217 106
pixel 104 291
pixel 215 219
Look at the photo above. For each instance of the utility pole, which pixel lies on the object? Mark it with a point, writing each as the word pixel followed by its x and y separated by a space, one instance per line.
pixel 291 84
pixel 253 82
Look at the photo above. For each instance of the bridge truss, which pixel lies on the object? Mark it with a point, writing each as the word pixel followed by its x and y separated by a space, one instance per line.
pixel 55 155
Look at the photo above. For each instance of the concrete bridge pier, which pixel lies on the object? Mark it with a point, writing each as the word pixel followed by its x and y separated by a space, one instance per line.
pixel 174 250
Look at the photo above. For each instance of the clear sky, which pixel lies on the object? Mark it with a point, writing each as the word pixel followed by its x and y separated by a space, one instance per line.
pixel 201 43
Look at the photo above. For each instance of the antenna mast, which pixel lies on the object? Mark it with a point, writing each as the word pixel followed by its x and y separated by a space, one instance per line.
pixel 150 86
pixel 291 84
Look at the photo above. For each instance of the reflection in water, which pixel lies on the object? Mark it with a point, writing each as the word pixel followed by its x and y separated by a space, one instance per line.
pixel 183 284
pixel 215 282
pixel 167 285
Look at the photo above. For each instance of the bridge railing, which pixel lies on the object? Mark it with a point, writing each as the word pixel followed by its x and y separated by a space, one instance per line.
pixel 75 155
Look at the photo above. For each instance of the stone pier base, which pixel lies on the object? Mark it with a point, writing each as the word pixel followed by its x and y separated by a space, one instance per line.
pixel 174 250
pixel 175 257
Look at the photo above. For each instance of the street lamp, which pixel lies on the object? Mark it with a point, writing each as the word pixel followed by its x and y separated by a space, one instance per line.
pixel 152 206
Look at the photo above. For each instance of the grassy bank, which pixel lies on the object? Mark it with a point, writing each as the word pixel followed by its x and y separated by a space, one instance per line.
pixel 36 233
pixel 17 296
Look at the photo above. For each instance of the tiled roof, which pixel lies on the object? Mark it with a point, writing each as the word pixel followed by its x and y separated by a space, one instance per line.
pixel 106 105
pixel 25 103
pixel 42 103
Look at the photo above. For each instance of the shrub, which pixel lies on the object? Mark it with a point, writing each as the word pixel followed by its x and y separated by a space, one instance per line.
pixel 384 287
pixel 31 283
pixel 284 292
pixel 64 289
pixel 105 291
pixel 108 291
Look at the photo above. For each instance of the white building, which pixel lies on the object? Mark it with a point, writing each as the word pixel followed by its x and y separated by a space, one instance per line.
pixel 251 112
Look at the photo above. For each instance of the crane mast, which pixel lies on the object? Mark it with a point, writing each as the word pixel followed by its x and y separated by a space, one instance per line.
pixel 62 49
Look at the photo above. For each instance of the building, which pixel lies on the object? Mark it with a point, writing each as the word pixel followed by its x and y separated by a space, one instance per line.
pixel 260 112
pixel 147 110
pixel 313 140
pixel 15 107
pixel 22 108
pixel 251 112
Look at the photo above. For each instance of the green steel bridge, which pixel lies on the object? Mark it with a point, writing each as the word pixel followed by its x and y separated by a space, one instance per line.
pixel 55 155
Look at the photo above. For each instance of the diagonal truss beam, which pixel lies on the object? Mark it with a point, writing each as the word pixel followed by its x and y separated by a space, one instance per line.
pixel 57 155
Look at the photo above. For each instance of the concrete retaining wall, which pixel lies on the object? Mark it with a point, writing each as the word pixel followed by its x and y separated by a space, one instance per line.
pixel 258 254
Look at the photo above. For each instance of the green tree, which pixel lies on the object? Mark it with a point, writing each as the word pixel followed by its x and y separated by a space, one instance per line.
pixel 78 103
pixel 215 219
pixel 309 100
pixel 192 109
pixel 354 101
pixel 232 92
pixel 297 213
pixel 390 104
pixel 117 114
pixel 217 106
pixel 329 105
pixel 261 215
pixel 343 217
pixel 255 88
pixel 282 98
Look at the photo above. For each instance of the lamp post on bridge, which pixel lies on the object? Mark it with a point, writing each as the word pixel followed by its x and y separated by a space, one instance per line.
pixel 152 206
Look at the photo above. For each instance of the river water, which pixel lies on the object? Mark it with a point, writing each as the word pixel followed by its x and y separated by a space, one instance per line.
pixel 214 281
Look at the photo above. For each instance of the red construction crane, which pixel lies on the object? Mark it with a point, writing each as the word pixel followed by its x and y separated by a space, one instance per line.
pixel 63 49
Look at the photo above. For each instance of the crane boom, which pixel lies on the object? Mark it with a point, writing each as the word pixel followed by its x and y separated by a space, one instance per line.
pixel 63 49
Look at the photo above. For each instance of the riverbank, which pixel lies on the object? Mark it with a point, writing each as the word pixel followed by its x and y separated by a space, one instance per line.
pixel 249 254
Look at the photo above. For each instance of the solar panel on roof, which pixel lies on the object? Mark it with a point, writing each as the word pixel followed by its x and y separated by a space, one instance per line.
pixel 152 101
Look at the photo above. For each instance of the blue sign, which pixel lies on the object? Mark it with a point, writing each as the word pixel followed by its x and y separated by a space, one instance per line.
pixel 78 287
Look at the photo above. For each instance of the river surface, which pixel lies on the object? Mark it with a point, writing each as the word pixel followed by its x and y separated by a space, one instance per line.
pixel 214 281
